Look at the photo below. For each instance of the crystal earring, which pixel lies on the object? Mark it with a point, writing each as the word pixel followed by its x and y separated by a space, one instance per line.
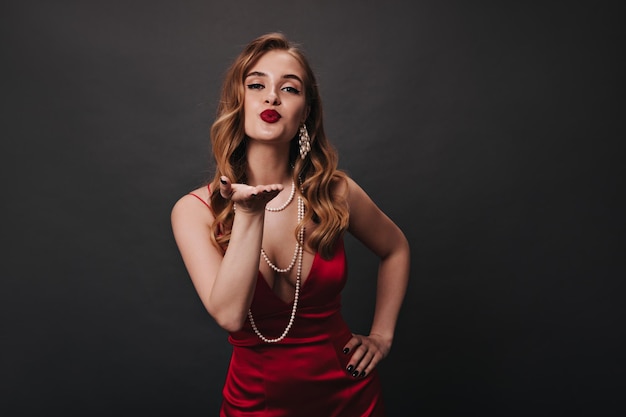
pixel 304 141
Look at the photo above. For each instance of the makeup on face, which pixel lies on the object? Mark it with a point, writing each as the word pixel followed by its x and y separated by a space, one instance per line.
pixel 270 116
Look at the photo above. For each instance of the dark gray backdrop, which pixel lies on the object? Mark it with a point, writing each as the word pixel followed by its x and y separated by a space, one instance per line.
pixel 487 130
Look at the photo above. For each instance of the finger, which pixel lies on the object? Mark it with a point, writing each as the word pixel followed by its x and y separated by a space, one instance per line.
pixel 226 190
pixel 260 194
pixel 352 344
pixel 268 191
pixel 253 198
pixel 358 361
pixel 370 367
pixel 366 364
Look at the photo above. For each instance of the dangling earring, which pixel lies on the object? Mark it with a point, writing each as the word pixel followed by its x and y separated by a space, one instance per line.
pixel 304 141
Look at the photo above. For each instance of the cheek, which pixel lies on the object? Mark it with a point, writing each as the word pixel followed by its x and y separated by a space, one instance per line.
pixel 247 105
pixel 249 111
pixel 301 113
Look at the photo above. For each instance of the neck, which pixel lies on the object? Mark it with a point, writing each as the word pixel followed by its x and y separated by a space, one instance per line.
pixel 268 164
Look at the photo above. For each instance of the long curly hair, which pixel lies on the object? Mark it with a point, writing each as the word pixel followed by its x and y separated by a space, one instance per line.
pixel 318 171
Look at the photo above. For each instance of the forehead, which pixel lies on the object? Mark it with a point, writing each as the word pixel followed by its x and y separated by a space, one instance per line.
pixel 278 63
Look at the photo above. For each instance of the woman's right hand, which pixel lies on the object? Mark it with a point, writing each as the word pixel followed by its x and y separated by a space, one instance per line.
pixel 249 199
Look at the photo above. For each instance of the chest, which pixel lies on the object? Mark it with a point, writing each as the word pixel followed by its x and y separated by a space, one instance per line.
pixel 321 280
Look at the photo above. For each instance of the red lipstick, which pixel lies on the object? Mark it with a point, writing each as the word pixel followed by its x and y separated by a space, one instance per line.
pixel 270 116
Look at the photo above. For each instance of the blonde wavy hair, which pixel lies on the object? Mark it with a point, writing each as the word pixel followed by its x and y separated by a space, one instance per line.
pixel 318 171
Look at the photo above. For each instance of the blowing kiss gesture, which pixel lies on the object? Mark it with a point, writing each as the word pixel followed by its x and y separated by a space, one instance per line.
pixel 249 198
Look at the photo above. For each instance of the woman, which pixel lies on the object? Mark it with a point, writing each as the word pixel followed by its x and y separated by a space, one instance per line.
pixel 263 245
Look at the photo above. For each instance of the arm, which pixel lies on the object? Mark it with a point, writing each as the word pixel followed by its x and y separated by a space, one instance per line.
pixel 225 284
pixel 385 239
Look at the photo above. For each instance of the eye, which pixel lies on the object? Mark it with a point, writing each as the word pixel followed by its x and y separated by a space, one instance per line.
pixel 255 86
pixel 291 90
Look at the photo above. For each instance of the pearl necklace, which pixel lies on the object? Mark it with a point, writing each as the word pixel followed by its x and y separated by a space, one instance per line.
pixel 298 255
pixel 289 200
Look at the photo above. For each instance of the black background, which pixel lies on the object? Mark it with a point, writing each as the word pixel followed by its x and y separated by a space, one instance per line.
pixel 489 131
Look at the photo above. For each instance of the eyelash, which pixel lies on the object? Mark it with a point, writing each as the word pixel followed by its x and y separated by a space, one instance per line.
pixel 292 90
pixel 289 89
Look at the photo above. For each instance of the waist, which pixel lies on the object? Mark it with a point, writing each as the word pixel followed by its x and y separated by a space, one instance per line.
pixel 310 325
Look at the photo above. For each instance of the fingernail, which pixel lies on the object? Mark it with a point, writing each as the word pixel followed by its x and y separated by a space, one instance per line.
pixel 355 374
pixel 346 350
pixel 362 374
pixel 223 181
pixel 350 368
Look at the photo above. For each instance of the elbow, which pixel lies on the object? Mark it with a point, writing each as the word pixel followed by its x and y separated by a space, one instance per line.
pixel 398 256
pixel 400 248
pixel 231 326
pixel 229 321
pixel 406 247
pixel 402 244
pixel 406 251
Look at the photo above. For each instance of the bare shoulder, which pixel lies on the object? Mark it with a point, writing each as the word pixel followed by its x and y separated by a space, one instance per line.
pixel 193 206
pixel 347 188
pixel 341 185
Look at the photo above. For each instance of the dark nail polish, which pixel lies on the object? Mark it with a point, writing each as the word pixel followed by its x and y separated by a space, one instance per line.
pixel 362 374
pixel 350 368
pixel 355 374
pixel 346 350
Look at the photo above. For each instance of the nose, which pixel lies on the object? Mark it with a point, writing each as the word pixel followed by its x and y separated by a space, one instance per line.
pixel 272 97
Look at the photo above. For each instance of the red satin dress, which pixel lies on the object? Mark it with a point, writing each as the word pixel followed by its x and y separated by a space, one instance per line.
pixel 303 375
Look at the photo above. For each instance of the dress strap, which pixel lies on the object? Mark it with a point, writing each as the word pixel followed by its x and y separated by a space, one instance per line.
pixel 200 198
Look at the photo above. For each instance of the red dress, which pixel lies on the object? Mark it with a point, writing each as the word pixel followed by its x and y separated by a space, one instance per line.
pixel 303 375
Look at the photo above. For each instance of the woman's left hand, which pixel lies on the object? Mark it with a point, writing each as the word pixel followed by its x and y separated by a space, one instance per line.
pixel 367 352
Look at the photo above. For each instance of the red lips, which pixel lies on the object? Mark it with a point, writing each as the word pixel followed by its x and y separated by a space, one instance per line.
pixel 270 116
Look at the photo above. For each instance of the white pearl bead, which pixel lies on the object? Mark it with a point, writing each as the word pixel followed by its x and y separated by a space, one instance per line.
pixel 289 200
pixel 298 253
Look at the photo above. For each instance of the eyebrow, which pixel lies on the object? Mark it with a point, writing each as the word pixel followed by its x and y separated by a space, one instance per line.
pixel 286 76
